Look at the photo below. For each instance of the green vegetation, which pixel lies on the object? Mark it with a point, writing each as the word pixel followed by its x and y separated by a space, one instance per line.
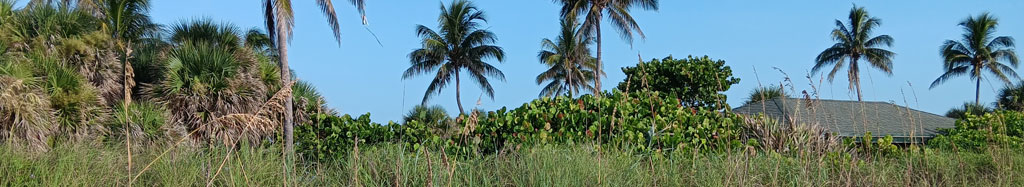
pixel 978 132
pixel 968 109
pixel 696 82
pixel 93 93
pixel 575 165
pixel 766 93
pixel 1011 97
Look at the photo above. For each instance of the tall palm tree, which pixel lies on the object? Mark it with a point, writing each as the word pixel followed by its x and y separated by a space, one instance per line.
pixel 978 51
pixel 853 43
pixel 461 44
pixel 280 19
pixel 570 66
pixel 593 12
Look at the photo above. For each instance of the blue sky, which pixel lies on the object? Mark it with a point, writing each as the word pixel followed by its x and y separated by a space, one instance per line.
pixel 361 76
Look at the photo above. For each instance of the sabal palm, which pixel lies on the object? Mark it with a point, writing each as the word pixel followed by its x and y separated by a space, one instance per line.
pixel 854 43
pixel 570 66
pixel 280 20
pixel 593 11
pixel 1011 97
pixel 461 44
pixel 978 51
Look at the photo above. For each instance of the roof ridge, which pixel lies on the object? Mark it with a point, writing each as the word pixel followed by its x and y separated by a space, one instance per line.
pixel 852 101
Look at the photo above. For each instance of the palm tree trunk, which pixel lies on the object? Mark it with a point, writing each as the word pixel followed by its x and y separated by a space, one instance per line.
pixel 855 76
pixel 286 78
pixel 570 85
pixel 597 72
pixel 458 93
pixel 977 92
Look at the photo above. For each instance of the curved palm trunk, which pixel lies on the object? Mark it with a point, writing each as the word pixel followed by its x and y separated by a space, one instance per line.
pixel 286 77
pixel 597 72
pixel 458 93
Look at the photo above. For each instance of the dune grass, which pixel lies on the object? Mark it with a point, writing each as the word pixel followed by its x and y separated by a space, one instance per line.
pixel 391 165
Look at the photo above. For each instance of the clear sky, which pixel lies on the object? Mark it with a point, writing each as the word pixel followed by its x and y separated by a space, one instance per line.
pixel 362 76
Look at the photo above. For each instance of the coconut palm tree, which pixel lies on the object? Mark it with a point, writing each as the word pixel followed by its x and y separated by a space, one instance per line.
pixel 570 66
pixel 978 51
pixel 593 11
pixel 854 43
pixel 461 44
pixel 280 21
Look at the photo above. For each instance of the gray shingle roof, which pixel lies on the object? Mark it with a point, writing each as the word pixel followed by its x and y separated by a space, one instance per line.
pixel 852 118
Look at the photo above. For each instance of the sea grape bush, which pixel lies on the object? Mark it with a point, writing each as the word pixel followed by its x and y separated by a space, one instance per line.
pixel 639 120
pixel 696 81
pixel 642 121
pixel 331 137
pixel 975 133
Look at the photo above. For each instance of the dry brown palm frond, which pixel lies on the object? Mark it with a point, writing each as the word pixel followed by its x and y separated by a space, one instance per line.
pixel 233 128
pixel 199 107
pixel 98 60
pixel 25 116
pixel 272 109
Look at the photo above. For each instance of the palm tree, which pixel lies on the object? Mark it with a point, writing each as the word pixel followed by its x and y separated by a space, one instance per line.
pixel 854 42
pixel 766 93
pixel 1011 97
pixel 570 66
pixel 978 52
pixel 280 20
pixel 619 15
pixel 461 44
pixel 431 116
pixel 968 109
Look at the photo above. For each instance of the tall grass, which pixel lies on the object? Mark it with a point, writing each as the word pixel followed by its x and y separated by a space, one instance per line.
pixel 578 165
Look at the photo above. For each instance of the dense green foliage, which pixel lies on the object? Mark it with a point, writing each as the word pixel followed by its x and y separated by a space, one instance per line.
pixel 640 121
pixel 697 82
pixel 977 132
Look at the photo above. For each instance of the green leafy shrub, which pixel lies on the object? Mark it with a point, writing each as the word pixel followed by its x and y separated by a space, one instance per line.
pixel 697 82
pixel 642 121
pixel 639 120
pixel 331 137
pixel 975 132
